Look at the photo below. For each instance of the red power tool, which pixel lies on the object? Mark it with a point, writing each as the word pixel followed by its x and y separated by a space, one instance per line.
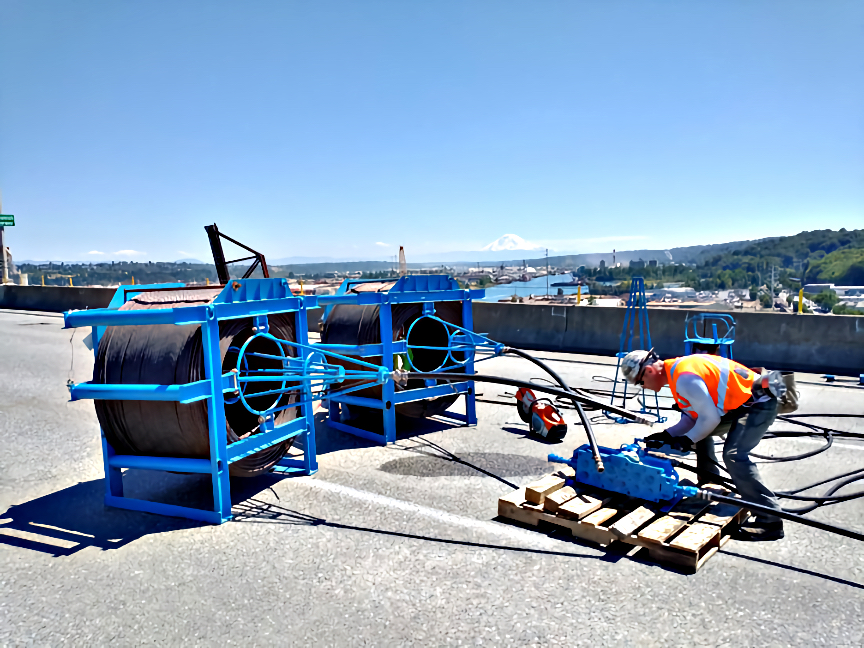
pixel 541 415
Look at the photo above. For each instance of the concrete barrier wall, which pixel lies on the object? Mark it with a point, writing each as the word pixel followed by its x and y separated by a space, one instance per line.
pixel 807 343
pixel 800 343
pixel 54 299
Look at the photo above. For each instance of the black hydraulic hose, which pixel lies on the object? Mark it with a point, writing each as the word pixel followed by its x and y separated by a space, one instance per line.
pixel 792 418
pixel 804 455
pixel 549 370
pixel 792 517
pixel 589 431
pixel 829 497
pixel 801 489
pixel 797 416
pixel 461 377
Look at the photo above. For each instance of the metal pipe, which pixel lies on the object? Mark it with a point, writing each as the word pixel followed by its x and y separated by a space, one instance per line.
pixel 173 464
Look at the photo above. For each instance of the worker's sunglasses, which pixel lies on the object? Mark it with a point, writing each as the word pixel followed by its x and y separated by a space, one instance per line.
pixel 649 358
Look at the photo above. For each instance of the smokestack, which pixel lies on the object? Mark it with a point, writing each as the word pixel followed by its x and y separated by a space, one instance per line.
pixel 403 265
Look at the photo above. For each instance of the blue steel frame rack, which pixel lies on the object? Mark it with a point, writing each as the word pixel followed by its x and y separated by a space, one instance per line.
pixel 723 343
pixel 636 313
pixel 422 289
pixel 243 298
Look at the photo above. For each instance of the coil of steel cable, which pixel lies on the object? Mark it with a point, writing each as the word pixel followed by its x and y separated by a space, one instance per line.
pixel 167 354
pixel 350 324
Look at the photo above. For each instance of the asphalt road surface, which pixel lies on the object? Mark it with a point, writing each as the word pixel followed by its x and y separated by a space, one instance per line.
pixel 384 546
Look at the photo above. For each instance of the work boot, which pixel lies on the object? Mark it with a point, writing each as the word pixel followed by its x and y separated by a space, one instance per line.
pixel 759 531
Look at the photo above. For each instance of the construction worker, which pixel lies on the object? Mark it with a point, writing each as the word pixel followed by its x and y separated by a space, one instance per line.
pixel 711 391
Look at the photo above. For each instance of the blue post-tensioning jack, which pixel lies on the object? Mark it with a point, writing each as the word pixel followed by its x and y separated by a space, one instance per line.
pixel 629 471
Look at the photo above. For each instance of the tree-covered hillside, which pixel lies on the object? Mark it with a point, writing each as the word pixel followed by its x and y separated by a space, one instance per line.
pixel 820 256
pixel 842 267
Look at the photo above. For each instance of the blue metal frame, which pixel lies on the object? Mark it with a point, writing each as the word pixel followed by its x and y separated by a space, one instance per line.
pixel 425 289
pixel 724 343
pixel 636 313
pixel 459 340
pixel 243 298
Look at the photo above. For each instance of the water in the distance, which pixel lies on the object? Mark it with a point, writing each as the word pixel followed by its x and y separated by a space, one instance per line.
pixel 534 287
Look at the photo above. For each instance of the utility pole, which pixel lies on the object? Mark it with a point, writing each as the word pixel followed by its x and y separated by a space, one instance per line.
pixel 547 272
pixel 772 287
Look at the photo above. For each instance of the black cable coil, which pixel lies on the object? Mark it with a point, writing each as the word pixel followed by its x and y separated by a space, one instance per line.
pixel 171 355
pixel 350 324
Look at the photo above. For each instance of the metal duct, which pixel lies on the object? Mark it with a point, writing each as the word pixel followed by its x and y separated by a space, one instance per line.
pixel 350 324
pixel 170 355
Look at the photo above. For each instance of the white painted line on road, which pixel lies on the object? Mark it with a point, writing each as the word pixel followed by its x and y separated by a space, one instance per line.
pixel 537 540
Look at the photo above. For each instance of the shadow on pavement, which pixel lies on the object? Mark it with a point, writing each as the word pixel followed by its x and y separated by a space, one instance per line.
pixel 75 518
pixel 834 579
pixel 525 434
pixel 435 461
pixel 329 440
pixel 467 464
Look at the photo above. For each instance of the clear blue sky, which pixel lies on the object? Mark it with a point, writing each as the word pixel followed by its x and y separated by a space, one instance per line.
pixel 336 128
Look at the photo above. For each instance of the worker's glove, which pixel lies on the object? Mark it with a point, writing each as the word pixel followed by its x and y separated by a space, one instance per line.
pixel 668 444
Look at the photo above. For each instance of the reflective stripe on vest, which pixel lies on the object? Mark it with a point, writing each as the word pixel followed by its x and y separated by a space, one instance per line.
pixel 682 402
pixel 732 386
pixel 723 383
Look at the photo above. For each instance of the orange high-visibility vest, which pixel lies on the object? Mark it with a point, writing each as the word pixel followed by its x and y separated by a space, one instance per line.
pixel 729 382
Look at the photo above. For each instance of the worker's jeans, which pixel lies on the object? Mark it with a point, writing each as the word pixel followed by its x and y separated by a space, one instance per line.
pixel 740 441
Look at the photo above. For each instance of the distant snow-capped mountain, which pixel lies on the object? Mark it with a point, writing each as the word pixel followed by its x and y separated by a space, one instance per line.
pixel 510 242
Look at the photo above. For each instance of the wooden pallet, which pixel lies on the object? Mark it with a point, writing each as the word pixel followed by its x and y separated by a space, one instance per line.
pixel 687 536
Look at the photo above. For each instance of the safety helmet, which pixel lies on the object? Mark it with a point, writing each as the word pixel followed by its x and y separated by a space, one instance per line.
pixel 633 363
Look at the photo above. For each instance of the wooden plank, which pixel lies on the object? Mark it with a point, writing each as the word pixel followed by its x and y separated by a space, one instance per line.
pixel 717 488
pixel 599 517
pixel 583 531
pixel 661 554
pixel 537 491
pixel 579 506
pixel 514 507
pixel 705 558
pixel 631 522
pixel 554 500
pixel 565 471
pixel 720 514
pixel 662 529
pixel 689 507
pixel 510 506
pixel 695 537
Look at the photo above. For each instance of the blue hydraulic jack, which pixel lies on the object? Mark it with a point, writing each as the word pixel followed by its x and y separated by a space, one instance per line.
pixel 629 471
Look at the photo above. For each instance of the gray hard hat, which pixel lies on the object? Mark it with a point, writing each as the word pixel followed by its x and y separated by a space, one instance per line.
pixel 633 363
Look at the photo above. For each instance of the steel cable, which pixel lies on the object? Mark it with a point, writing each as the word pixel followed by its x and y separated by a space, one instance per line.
pixel 168 355
pixel 353 324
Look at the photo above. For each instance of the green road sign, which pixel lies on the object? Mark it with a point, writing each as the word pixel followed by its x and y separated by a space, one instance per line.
pixel 7 220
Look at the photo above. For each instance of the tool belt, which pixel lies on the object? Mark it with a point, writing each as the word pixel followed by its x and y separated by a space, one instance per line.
pixel 779 385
